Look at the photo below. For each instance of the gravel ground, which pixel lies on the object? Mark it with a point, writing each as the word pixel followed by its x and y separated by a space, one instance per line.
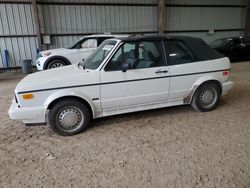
pixel 170 147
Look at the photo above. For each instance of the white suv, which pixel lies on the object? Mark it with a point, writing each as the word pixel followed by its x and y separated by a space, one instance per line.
pixel 66 56
pixel 124 75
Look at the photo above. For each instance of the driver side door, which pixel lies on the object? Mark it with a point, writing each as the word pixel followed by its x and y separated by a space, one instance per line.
pixel 144 84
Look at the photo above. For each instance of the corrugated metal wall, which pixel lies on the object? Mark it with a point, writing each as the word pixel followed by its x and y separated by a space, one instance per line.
pixel 66 23
pixel 59 19
pixel 69 19
pixel 206 18
pixel 210 2
pixel 17 19
pixel 195 18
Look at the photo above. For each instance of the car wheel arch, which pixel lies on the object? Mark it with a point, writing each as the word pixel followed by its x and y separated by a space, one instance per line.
pixel 189 98
pixel 51 102
pixel 217 82
pixel 45 66
pixel 199 101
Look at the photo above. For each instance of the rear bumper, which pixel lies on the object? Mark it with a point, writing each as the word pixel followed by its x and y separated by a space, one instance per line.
pixel 226 86
pixel 27 114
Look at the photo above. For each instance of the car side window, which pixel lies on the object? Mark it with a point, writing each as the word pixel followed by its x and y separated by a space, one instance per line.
pixel 89 43
pixel 101 39
pixel 178 53
pixel 124 53
pixel 150 54
pixel 138 55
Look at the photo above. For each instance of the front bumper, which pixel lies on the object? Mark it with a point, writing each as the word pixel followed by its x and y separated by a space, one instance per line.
pixel 27 115
pixel 226 86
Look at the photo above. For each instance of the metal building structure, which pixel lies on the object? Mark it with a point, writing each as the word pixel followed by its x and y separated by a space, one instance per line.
pixel 24 22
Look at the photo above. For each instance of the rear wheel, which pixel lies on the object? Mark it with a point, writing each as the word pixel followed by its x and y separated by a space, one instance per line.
pixel 69 117
pixel 56 63
pixel 206 97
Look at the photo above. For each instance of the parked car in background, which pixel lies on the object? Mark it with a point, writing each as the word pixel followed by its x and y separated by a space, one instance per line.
pixel 66 56
pixel 236 48
pixel 124 75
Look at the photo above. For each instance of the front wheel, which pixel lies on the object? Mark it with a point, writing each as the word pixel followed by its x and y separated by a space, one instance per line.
pixel 56 63
pixel 206 97
pixel 69 117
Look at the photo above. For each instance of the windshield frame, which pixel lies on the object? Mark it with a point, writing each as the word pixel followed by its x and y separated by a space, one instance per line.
pixel 117 42
pixel 81 40
pixel 74 45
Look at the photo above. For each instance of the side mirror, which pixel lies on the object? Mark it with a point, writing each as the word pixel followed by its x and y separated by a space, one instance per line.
pixel 125 67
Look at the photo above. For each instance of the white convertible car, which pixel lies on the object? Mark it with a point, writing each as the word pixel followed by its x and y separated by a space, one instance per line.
pixel 124 75
pixel 59 57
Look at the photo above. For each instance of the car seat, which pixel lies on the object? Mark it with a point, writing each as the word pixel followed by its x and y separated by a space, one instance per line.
pixel 147 60
pixel 131 59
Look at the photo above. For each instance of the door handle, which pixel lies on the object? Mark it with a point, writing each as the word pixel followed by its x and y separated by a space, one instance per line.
pixel 161 71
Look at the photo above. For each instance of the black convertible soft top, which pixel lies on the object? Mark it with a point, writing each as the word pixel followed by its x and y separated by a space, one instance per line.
pixel 200 48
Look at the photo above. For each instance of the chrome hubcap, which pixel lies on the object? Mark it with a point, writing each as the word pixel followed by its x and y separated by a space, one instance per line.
pixel 70 118
pixel 208 97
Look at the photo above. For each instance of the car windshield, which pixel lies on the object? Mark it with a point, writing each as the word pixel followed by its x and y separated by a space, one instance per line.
pixel 96 58
pixel 220 42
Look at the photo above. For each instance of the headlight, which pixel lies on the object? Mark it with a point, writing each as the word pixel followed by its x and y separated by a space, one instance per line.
pixel 44 54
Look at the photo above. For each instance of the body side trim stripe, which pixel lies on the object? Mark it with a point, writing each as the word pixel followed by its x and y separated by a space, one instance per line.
pixel 116 82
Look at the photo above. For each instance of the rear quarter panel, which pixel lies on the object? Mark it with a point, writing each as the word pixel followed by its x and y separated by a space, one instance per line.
pixel 185 77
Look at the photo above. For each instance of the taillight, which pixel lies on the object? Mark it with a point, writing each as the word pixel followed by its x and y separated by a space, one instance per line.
pixel 225 73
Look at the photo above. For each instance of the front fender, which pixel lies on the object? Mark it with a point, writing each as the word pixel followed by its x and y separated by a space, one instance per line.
pixel 60 94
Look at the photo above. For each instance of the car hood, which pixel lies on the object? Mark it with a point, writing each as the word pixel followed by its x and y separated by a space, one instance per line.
pixel 56 51
pixel 55 78
pixel 63 51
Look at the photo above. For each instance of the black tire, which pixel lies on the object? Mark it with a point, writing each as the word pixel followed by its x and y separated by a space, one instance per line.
pixel 68 117
pixel 56 63
pixel 206 97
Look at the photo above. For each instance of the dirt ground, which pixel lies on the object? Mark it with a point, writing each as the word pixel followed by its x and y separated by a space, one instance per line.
pixel 170 147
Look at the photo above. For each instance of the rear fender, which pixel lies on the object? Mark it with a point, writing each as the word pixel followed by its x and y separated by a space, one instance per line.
pixel 200 81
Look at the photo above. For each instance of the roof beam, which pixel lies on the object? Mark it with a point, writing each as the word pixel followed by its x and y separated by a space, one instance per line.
pixel 37 24
pixel 161 16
